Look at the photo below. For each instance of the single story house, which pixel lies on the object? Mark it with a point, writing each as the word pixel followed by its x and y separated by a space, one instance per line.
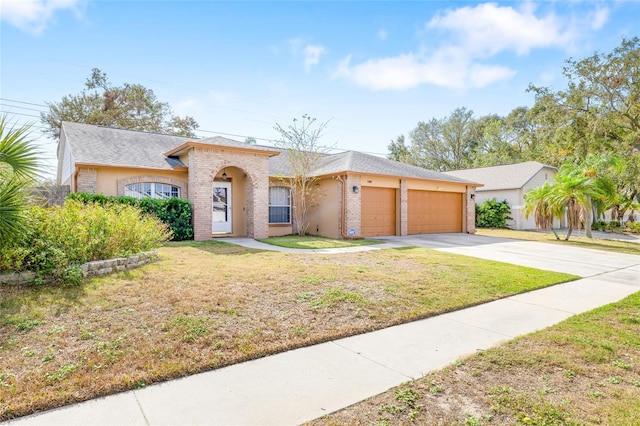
pixel 510 182
pixel 239 189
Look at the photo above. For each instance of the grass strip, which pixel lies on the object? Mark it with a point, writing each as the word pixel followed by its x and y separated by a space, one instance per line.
pixel 585 370
pixel 313 242
pixel 616 246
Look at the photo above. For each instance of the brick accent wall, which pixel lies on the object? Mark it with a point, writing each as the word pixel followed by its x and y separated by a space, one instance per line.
pixel 353 205
pixel 205 163
pixel 87 180
pixel 470 203
pixel 404 208
pixel 122 183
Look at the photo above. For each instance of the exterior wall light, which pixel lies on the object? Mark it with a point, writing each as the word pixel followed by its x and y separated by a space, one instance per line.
pixel 355 189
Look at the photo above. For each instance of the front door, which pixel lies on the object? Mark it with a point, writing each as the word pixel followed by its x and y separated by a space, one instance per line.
pixel 221 215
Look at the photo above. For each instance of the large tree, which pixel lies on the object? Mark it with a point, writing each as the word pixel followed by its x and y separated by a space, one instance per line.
pixel 130 106
pixel 18 170
pixel 447 143
pixel 597 113
pixel 301 142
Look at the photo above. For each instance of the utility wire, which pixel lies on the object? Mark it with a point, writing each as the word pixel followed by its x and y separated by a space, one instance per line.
pixel 22 102
pixel 197 130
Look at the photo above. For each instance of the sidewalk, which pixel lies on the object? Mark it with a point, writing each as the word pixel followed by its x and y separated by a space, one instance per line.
pixel 300 385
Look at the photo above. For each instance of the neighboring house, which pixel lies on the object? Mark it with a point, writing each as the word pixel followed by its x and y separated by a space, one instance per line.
pixel 509 182
pixel 238 189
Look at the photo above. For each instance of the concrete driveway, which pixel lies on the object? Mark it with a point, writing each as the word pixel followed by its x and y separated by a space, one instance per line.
pixel 551 257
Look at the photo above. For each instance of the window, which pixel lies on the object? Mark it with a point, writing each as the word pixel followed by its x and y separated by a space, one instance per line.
pixel 151 189
pixel 279 204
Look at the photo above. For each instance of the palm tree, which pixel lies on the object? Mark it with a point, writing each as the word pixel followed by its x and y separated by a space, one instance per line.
pixel 577 188
pixel 538 202
pixel 18 169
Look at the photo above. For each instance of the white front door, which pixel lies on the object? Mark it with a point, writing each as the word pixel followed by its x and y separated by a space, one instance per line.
pixel 221 214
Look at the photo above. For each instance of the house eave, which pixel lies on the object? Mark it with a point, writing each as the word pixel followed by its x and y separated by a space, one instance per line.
pixel 187 146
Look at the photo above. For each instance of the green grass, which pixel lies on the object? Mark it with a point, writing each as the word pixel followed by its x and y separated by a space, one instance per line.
pixel 583 242
pixel 313 242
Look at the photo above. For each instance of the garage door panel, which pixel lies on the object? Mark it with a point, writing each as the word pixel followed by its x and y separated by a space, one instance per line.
pixel 434 212
pixel 378 211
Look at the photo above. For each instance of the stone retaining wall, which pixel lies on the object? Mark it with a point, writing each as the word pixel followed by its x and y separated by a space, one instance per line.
pixel 90 269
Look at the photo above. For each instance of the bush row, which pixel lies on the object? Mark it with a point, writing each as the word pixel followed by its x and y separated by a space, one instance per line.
pixel 175 212
pixel 57 240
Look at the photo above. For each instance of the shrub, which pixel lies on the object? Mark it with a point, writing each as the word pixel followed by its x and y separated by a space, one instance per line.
pixel 492 214
pixel 62 237
pixel 175 212
pixel 612 225
pixel 633 227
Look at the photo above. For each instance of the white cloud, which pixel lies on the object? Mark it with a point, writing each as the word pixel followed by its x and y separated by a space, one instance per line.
pixel 468 38
pixel 488 29
pixel 312 54
pixel 409 70
pixel 599 18
pixel 32 16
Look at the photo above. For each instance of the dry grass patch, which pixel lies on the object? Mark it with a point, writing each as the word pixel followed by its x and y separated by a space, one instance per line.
pixel 585 370
pixel 597 244
pixel 314 242
pixel 207 305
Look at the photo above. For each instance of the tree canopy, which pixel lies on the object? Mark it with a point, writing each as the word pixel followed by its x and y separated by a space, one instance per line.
pixel 130 106
pixel 596 116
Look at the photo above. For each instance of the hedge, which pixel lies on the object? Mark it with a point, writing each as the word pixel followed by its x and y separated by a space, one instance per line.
pixel 175 212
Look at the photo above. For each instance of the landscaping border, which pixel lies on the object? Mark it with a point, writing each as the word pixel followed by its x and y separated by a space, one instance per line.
pixel 89 269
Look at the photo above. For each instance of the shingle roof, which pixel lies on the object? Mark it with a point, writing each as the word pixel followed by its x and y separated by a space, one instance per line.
pixel 131 148
pixel 509 176
pixel 99 145
pixel 359 162
pixel 117 147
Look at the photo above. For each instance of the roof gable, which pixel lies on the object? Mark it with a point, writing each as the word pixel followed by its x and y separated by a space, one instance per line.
pixel 98 145
pixel 508 176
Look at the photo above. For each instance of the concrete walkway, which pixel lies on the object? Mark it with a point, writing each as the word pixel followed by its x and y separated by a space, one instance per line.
pixel 300 385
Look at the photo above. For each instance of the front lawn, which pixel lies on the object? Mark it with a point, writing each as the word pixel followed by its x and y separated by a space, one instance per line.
pixel 585 370
pixel 205 305
pixel 313 242
pixel 597 244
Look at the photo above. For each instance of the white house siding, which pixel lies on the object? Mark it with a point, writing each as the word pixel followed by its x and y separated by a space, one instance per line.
pixel 511 195
pixel 544 175
pixel 515 198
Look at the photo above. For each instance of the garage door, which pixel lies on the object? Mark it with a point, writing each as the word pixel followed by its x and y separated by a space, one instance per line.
pixel 378 215
pixel 432 212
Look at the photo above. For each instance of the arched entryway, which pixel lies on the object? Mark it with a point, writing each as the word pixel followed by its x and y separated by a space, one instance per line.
pixel 230 195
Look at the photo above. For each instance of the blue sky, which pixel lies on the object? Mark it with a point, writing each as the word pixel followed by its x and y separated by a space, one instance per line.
pixel 374 69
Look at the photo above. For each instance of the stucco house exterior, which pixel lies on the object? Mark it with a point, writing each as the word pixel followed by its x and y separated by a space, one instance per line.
pixel 238 189
pixel 510 182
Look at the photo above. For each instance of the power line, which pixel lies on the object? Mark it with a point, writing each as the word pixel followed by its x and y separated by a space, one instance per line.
pixel 19 113
pixel 197 130
pixel 21 107
pixel 22 102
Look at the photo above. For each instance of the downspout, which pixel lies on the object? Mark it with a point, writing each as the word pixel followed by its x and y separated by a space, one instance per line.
pixel 344 211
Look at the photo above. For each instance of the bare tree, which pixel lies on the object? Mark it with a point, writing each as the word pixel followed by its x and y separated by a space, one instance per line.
pixel 301 141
